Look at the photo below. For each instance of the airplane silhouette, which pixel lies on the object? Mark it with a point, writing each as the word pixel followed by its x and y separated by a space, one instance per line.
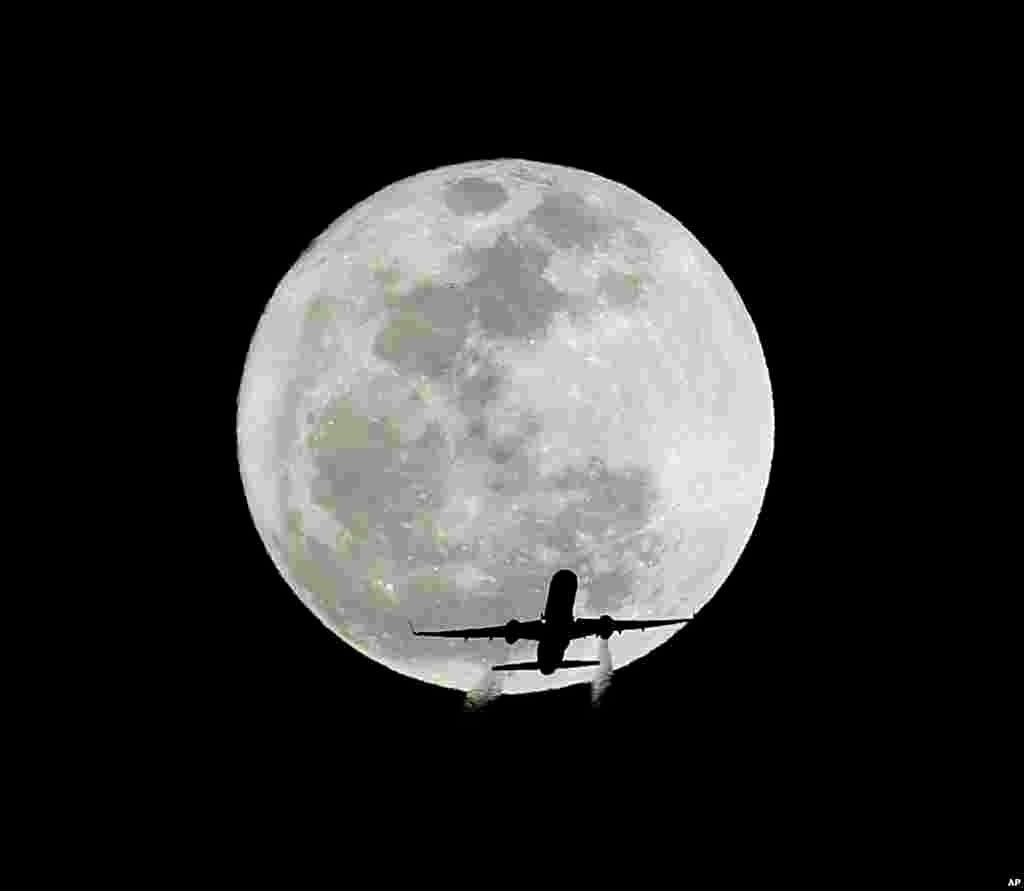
pixel 553 631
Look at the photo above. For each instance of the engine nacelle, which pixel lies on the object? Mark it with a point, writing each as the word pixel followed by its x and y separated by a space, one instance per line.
pixel 605 627
pixel 512 631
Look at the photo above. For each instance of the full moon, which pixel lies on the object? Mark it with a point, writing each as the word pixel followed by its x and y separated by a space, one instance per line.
pixel 486 373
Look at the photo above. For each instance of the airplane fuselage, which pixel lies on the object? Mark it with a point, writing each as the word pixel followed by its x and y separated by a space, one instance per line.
pixel 558 621
pixel 551 649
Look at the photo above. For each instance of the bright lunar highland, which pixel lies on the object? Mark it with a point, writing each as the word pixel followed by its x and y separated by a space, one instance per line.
pixel 486 373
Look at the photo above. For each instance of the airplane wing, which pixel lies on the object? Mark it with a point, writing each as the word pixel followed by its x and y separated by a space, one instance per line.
pixel 514 629
pixel 606 626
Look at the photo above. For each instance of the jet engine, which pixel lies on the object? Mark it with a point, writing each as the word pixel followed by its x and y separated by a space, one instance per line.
pixel 512 631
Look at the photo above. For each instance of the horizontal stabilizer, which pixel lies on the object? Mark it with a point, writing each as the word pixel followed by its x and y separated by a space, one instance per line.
pixel 535 666
pixel 516 666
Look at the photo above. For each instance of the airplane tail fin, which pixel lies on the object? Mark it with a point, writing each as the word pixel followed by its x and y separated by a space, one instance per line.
pixel 535 666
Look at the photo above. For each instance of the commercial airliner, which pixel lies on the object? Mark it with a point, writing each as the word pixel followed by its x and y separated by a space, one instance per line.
pixel 553 630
